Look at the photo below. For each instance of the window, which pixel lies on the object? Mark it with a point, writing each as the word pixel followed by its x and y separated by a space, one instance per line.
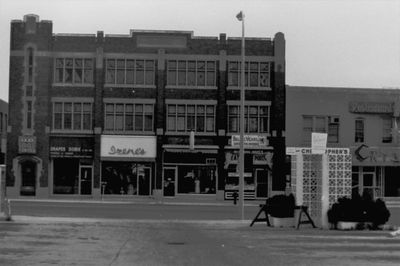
pixel 257 74
pixel 321 124
pixel 359 130
pixel 73 71
pixel 72 116
pixel 256 119
pixel 188 117
pixel 30 65
pixel 386 129
pixel 29 114
pixel 128 117
pixel 130 71
pixel 191 73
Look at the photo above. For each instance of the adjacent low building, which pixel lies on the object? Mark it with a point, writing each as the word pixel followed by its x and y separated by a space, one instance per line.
pixel 115 114
pixel 364 120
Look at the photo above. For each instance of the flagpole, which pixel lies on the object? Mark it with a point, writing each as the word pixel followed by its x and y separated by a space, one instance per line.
pixel 242 125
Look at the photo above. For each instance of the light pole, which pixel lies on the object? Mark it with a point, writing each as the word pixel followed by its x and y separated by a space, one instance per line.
pixel 240 17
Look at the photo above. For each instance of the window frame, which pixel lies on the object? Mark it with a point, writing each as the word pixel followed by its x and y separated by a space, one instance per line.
pixel 234 74
pixel 83 114
pixel 134 65
pixel 87 66
pixel 204 73
pixel 234 118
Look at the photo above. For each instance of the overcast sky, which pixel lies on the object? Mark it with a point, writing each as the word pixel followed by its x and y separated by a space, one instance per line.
pixel 338 43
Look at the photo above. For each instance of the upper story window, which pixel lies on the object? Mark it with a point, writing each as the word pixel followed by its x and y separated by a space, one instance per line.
pixel 256 119
pixel 359 130
pixel 257 74
pixel 30 65
pixel 129 117
pixel 130 71
pixel 321 124
pixel 191 73
pixel 74 71
pixel 387 129
pixel 188 117
pixel 76 116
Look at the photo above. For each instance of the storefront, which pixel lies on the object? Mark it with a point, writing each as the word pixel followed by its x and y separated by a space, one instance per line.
pixel 257 167
pixel 128 165
pixel 376 170
pixel 72 165
pixel 188 171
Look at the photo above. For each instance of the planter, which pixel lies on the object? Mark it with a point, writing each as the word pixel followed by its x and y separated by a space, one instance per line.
pixel 282 222
pixel 347 225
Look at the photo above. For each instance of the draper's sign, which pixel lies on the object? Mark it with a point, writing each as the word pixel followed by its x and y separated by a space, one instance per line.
pixel 250 140
pixel 128 146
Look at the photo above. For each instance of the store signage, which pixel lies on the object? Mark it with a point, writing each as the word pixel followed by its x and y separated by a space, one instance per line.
pixel 128 146
pixel 299 151
pixel 250 140
pixel 318 142
pixel 71 147
pixel 365 155
pixel 262 159
pixel 27 144
pixel 371 107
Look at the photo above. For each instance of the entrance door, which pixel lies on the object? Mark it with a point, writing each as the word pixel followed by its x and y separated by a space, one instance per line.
pixel 261 183
pixel 144 175
pixel 28 178
pixel 85 180
pixel 169 181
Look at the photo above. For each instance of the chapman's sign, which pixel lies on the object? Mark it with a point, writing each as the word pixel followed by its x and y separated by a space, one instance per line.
pixel 128 146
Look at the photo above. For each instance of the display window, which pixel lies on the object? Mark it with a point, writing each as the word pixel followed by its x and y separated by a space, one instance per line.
pixel 126 178
pixel 194 179
pixel 66 176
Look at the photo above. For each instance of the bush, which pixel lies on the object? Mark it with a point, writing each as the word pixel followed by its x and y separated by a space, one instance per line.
pixel 281 206
pixel 363 210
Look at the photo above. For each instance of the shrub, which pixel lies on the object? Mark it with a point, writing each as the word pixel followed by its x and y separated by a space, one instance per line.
pixel 281 206
pixel 363 210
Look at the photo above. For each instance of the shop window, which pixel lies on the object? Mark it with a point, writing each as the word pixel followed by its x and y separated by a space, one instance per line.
pixel 256 119
pixel 66 176
pixel 128 117
pixel 130 71
pixel 187 117
pixel 359 130
pixel 126 178
pixel 73 71
pixel 191 73
pixel 257 74
pixel 74 116
pixel 196 179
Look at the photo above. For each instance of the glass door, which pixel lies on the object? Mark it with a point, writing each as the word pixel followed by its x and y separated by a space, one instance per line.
pixel 169 178
pixel 85 180
pixel 144 175
pixel 261 183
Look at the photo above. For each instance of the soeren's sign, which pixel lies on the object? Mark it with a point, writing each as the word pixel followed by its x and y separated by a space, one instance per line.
pixel 371 107
pixel 128 146
pixel 250 140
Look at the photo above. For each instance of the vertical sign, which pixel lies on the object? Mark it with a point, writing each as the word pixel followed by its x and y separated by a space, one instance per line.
pixel 318 143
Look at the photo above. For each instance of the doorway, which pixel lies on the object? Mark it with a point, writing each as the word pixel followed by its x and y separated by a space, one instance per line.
pixel 85 180
pixel 144 176
pixel 28 178
pixel 169 178
pixel 261 183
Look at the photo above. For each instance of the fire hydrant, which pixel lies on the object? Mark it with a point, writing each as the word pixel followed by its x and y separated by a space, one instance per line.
pixel 235 197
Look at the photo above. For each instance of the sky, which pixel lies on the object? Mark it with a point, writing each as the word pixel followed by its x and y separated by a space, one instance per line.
pixel 330 43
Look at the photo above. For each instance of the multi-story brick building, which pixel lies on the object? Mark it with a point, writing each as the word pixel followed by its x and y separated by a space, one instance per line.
pixel 3 129
pixel 113 114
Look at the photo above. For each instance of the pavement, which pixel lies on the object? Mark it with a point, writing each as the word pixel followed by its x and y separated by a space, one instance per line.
pixel 85 241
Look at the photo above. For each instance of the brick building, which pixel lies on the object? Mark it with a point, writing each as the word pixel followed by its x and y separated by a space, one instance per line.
pixel 113 114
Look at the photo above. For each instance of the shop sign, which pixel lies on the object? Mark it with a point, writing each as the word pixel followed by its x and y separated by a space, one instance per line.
pixel 71 147
pixel 299 151
pixel 250 140
pixel 318 142
pixel 371 107
pixel 262 159
pixel 27 144
pixel 128 146
pixel 365 155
